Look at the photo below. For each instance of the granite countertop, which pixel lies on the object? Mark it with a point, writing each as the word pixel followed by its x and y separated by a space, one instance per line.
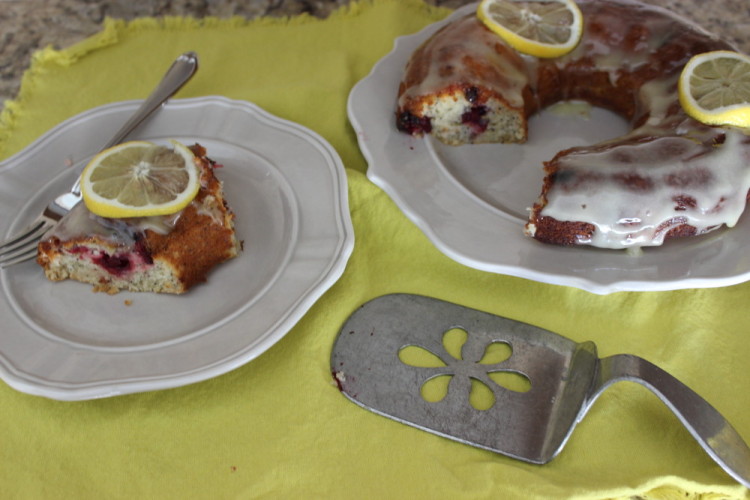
pixel 29 25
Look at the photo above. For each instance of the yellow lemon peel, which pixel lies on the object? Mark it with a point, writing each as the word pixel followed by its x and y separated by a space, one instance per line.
pixel 140 179
pixel 541 28
pixel 714 88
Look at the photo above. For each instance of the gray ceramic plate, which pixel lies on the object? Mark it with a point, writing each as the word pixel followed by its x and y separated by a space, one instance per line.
pixel 287 187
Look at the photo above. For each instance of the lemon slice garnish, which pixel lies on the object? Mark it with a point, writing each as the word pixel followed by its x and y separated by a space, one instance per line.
pixel 541 28
pixel 714 88
pixel 140 179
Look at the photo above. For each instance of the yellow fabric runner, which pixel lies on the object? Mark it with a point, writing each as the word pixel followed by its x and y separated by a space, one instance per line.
pixel 278 427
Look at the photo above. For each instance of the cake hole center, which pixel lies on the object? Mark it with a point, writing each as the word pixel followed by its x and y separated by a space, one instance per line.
pixel 508 177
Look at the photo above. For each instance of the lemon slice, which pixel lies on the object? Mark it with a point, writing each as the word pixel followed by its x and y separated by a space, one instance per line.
pixel 714 88
pixel 541 28
pixel 140 179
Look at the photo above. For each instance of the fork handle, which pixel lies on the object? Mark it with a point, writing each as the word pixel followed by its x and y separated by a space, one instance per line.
pixel 704 422
pixel 174 79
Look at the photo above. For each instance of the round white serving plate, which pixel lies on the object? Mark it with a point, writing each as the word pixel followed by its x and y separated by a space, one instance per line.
pixel 287 187
pixel 472 201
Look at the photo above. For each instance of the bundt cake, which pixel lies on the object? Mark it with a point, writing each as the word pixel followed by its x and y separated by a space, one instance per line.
pixel 163 254
pixel 669 176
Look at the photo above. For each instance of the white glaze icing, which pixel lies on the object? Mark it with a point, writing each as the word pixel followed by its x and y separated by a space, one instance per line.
pixel 502 74
pixel 630 217
pixel 693 174
pixel 80 222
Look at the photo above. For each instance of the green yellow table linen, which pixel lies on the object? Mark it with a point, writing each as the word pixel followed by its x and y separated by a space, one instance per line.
pixel 278 427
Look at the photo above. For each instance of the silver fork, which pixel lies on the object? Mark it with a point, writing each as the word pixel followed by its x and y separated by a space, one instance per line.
pixel 22 246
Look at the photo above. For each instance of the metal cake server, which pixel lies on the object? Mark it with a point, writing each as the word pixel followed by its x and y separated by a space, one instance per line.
pixel 532 425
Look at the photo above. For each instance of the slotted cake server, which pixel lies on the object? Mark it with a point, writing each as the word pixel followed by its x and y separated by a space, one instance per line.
pixel 531 425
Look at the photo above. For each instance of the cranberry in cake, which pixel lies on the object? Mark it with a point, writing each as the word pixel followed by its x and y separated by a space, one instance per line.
pixel 163 254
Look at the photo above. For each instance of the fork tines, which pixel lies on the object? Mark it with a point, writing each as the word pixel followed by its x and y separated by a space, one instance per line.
pixel 23 247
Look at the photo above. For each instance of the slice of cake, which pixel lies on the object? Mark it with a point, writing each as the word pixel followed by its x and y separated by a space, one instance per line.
pixel 162 254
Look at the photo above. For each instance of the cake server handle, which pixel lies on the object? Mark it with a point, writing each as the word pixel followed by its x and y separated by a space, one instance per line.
pixel 712 431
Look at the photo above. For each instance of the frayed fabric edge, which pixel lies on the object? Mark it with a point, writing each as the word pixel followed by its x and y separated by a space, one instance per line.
pixel 114 30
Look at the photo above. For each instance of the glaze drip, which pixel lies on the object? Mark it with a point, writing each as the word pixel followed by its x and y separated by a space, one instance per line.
pixel 80 222
pixel 669 172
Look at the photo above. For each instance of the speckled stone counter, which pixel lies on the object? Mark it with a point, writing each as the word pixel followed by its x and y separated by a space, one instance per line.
pixel 28 25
